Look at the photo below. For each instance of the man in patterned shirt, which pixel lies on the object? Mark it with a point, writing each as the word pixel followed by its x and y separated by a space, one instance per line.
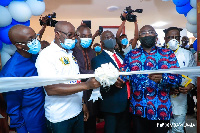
pixel 150 102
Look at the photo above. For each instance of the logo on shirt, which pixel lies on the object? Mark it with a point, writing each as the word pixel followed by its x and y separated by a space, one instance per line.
pixel 65 60
pixel 74 59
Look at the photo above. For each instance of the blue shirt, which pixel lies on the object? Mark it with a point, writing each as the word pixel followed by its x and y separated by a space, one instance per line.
pixel 149 99
pixel 25 107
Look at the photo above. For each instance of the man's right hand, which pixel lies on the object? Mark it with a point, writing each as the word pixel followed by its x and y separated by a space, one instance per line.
pixel 92 83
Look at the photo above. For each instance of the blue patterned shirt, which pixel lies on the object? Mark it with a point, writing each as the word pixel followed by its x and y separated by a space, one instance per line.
pixel 149 99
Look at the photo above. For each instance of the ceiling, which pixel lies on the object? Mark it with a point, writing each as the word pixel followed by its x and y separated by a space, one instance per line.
pixel 153 10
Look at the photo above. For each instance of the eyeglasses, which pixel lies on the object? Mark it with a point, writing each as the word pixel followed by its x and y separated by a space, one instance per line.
pixel 68 35
pixel 150 32
pixel 24 43
pixel 174 37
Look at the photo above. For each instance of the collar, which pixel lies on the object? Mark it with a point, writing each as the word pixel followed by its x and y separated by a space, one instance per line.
pixel 108 52
pixel 153 49
pixel 57 48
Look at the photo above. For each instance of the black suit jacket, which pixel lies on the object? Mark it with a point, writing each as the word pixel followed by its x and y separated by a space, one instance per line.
pixel 115 100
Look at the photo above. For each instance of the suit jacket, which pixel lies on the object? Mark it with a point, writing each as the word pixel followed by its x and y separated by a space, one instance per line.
pixel 115 100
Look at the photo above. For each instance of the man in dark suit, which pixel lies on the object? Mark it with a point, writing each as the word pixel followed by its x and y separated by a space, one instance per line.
pixel 114 104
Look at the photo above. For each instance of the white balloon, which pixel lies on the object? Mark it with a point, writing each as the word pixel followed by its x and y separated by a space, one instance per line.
pixel 193 3
pixel 20 11
pixel 5 17
pixel 192 16
pixel 4 58
pixel 10 49
pixel 37 7
pixel 191 28
pixel 195 35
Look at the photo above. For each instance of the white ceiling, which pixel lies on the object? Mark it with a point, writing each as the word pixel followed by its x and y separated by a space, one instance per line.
pixel 153 10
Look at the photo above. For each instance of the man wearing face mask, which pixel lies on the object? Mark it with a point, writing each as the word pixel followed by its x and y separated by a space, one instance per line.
pixel 114 104
pixel 185 59
pixel 63 102
pixel 125 45
pixel 150 101
pixel 185 43
pixel 97 48
pixel 84 54
pixel 24 107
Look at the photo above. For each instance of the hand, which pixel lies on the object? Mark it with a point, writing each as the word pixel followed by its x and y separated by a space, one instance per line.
pixel 185 90
pixel 97 33
pixel 92 83
pixel 124 14
pixel 119 82
pixel 44 20
pixel 86 112
pixel 174 91
pixel 155 77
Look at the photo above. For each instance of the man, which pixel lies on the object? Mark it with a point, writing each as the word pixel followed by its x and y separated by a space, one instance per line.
pixel 24 107
pixel 150 101
pixel 185 59
pixel 114 103
pixel 185 41
pixel 63 102
pixel 84 54
pixel 123 40
pixel 97 48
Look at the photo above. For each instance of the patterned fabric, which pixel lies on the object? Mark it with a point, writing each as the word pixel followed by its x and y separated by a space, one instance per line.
pixel 149 99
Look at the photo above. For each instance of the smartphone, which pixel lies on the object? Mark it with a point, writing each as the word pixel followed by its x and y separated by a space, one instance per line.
pixel 87 22
pixel 100 29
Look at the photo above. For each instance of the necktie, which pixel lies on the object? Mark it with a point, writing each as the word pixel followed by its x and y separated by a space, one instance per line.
pixel 117 60
pixel 127 82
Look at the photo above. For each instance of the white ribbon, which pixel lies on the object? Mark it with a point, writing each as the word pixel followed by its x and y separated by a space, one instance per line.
pixel 18 83
pixel 95 95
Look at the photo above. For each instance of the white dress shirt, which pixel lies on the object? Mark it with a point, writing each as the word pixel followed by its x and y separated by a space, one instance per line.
pixel 111 55
pixel 185 59
pixel 55 61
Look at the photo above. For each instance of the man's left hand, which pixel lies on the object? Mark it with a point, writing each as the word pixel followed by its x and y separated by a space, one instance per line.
pixel 119 83
pixel 86 112
pixel 155 77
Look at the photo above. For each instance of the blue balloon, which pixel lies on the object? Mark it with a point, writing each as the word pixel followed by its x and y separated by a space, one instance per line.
pixel 1 44
pixel 18 0
pixel 180 2
pixel 195 45
pixel 4 34
pixel 5 2
pixel 184 9
pixel 14 22
pixel 40 0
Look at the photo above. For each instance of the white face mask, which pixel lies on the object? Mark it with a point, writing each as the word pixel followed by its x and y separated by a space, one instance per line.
pixel 173 44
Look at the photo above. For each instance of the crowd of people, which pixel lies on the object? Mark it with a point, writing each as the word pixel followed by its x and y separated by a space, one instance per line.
pixel 139 103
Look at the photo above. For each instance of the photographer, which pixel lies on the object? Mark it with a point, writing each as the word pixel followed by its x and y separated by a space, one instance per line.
pixel 123 40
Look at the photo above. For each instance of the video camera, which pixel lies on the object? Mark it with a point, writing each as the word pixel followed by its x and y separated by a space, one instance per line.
pixel 49 21
pixel 130 17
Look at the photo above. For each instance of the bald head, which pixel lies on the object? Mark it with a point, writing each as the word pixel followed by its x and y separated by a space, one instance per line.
pixel 21 33
pixel 107 35
pixel 64 26
pixel 146 28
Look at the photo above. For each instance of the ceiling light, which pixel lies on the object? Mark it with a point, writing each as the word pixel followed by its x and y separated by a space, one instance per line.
pixel 159 24
pixel 112 8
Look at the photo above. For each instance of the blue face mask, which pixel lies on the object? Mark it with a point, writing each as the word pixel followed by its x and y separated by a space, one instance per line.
pixel 124 41
pixel 97 49
pixel 34 46
pixel 86 42
pixel 76 41
pixel 68 44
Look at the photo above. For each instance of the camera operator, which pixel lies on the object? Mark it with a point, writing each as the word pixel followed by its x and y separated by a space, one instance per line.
pixel 123 40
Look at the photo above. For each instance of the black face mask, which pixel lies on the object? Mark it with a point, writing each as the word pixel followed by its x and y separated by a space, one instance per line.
pixel 147 41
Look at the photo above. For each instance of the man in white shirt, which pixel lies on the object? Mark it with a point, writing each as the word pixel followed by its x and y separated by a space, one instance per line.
pixel 185 59
pixel 63 102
